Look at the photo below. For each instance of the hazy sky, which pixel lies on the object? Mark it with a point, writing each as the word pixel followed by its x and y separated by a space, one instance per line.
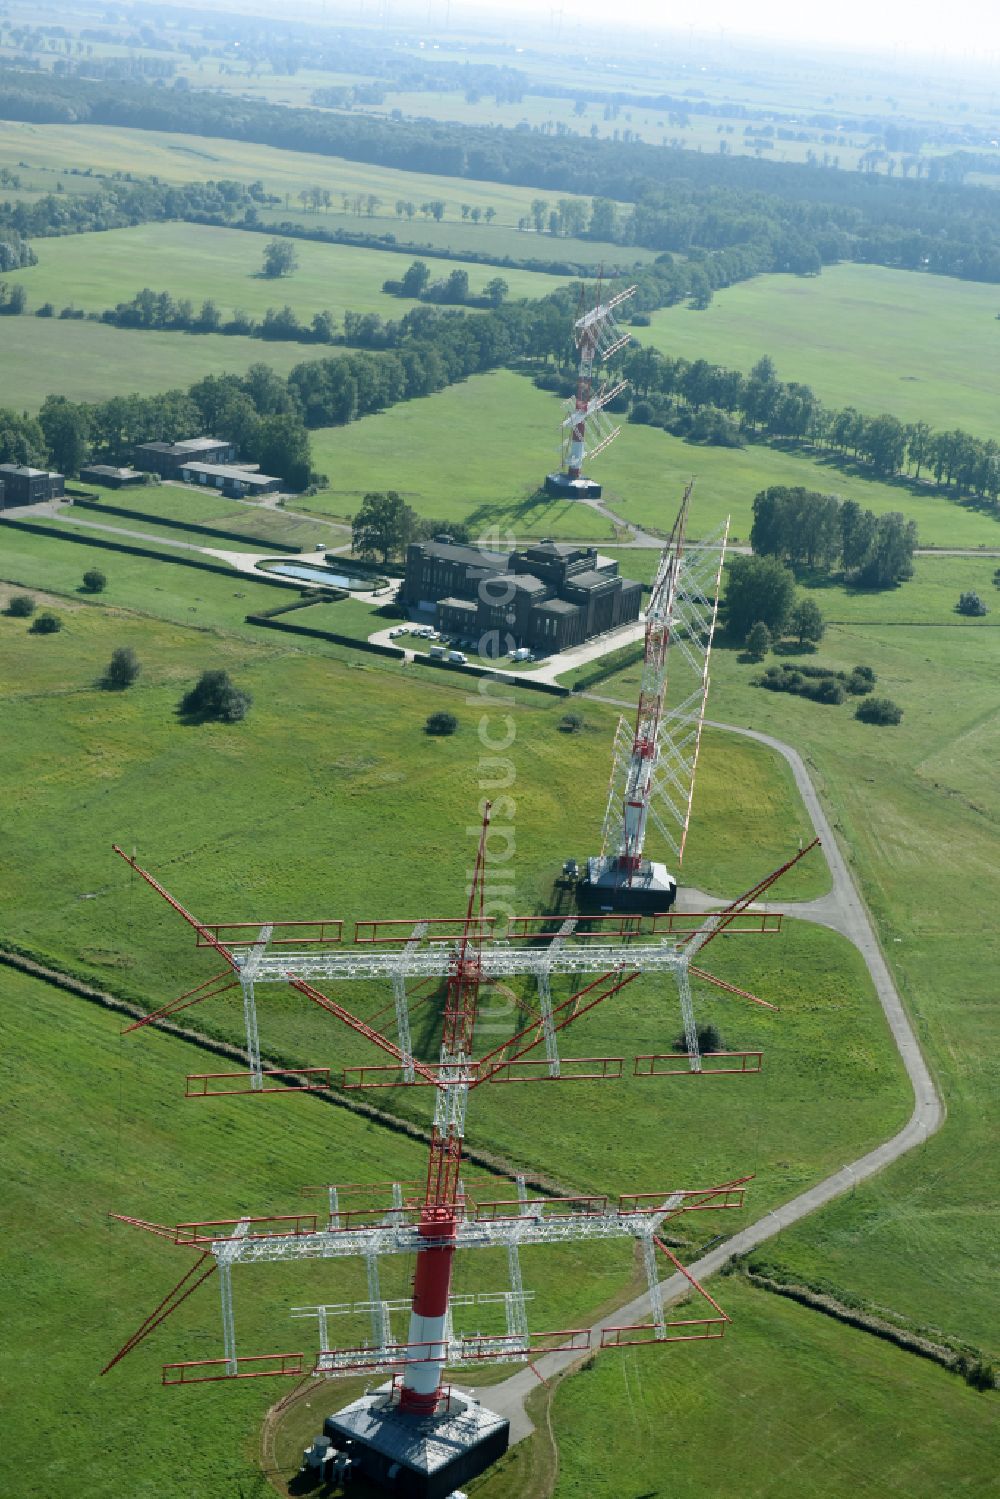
pixel 953 27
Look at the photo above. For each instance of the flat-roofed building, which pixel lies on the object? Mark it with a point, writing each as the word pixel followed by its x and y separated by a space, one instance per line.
pixel 547 596
pixel 166 458
pixel 111 477
pixel 230 479
pixel 29 486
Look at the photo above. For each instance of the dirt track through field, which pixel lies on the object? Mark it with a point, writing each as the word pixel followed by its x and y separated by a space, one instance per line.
pixel 845 911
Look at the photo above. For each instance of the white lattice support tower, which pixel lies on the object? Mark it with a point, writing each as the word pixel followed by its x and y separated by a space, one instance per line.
pixel 545 996
pixel 517 1316
pixel 653 768
pixel 402 1007
pixel 687 1011
pixel 247 971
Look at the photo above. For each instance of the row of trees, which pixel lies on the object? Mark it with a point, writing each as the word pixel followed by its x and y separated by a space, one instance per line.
pixel 682 199
pixel 258 411
pixel 667 391
pixel 817 531
pixel 452 291
pixel 267 415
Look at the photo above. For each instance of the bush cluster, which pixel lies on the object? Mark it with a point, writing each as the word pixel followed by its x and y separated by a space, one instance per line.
pixel 822 684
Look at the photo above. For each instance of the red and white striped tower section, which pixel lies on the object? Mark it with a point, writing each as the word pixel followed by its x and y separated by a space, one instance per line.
pixel 654 764
pixel 598 338
pixel 422 1381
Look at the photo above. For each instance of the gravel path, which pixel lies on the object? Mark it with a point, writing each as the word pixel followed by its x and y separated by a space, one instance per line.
pixel 844 910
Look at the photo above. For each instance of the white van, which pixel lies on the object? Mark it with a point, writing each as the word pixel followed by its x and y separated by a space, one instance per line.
pixel 457 658
pixel 438 652
pixel 522 654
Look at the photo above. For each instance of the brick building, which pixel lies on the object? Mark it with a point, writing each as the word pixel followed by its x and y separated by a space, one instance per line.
pixel 547 596
pixel 28 486
pixel 167 458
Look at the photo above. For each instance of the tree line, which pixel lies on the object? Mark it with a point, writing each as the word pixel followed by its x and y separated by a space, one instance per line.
pixel 667 392
pixel 817 531
pixel 682 199
pixel 267 415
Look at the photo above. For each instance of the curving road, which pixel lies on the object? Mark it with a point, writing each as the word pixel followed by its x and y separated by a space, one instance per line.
pixel 844 910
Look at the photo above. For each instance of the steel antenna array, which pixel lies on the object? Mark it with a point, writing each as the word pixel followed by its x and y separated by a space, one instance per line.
pixel 446 1213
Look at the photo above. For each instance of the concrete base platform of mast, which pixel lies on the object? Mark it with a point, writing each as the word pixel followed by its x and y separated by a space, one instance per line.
pixel 419 1457
pixel 562 487
pixel 606 887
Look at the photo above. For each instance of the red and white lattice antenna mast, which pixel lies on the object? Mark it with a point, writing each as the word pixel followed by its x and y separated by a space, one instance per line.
pixel 654 763
pixel 444 1214
pixel 597 336
pixel 438 1224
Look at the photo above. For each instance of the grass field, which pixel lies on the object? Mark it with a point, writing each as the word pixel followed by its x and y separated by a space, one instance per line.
pixel 925 348
pixel 917 810
pixel 182 503
pixel 461 236
pixel 195 158
pixel 96 271
pixel 135 1145
pixel 789 1402
pixel 106 766
pixel 90 361
pixel 450 460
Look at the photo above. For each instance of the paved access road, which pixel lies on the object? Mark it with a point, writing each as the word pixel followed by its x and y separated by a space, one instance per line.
pixel 844 910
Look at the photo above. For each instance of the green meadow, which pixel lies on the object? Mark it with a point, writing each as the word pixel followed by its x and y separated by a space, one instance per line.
pixel 195 158
pixel 95 1124
pixel 925 348
pixel 450 459
pixel 788 1402
pixel 199 261
pixel 90 361
pixel 199 507
pixel 106 767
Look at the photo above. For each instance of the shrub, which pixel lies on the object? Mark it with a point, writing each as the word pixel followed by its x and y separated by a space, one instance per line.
pixel 826 690
pixel 46 623
pixel 571 723
pixel 123 668
pixel 880 710
pixel 980 1374
pixel 21 606
pixel 759 640
pixel 441 723
pixel 865 672
pixel 46 310
pixel 857 685
pixel 215 695
pixel 970 603
pixel 94 581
